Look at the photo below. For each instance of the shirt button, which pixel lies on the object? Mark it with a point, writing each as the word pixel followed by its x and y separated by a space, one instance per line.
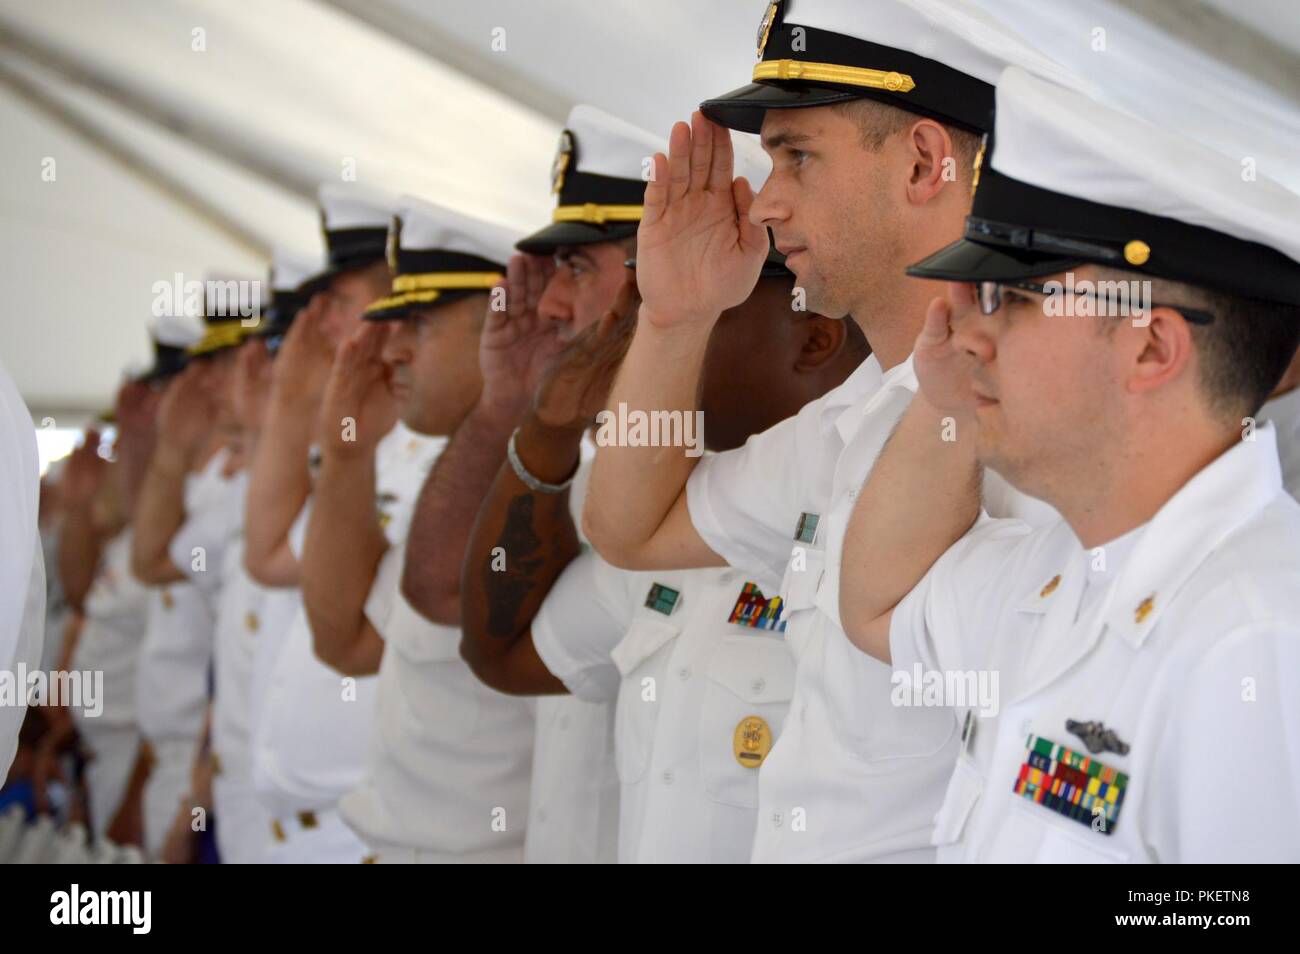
pixel 564 723
pixel 776 819
pixel 759 685
pixel 803 713
pixel 684 673
pixel 853 494
pixel 1025 727
pixel 668 778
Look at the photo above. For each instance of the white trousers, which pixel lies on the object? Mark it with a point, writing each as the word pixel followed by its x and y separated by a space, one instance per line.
pixel 169 782
pixel 113 750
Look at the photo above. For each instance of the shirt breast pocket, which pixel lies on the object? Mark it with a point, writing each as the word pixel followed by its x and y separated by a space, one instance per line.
pixel 959 801
pixel 637 713
pixel 750 682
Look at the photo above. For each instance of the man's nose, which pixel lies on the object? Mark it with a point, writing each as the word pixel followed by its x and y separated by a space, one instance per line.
pixel 971 330
pixel 768 208
pixel 556 303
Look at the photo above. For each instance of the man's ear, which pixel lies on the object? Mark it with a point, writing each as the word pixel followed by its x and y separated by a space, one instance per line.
pixel 821 340
pixel 934 162
pixel 1164 350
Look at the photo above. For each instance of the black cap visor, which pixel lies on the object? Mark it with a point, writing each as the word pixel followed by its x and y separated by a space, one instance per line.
pixel 743 109
pixel 545 241
pixel 968 261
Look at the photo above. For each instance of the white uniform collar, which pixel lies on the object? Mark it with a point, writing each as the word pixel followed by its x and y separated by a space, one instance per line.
pixel 1189 527
pixel 847 404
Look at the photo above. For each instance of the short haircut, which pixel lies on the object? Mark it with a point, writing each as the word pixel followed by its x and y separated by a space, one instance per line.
pixel 1243 353
pixel 878 121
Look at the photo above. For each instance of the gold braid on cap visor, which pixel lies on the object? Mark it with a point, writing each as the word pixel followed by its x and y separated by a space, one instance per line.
pixel 832 73
pixel 423 287
pixel 597 214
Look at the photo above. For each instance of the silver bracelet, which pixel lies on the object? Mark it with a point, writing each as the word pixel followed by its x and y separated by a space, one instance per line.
pixel 531 482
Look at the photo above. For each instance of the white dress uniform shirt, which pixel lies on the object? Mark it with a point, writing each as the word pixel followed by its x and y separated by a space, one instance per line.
pixel 573 805
pixel 449 761
pixel 685 682
pixel 314 726
pixel 853 777
pixel 172 677
pixel 22 564
pixel 243 824
pixel 1284 412
pixel 1151 713
pixel 110 644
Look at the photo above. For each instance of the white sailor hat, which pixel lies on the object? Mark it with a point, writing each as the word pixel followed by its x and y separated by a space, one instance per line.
pixel 171 337
pixel 294 278
pixel 935 58
pixel 228 304
pixel 439 255
pixel 599 176
pixel 354 219
pixel 1067 180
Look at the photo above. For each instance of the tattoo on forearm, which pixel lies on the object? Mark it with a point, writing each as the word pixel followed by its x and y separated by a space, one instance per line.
pixel 506 590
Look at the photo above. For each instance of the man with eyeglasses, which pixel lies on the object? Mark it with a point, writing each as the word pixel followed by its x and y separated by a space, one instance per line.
pixel 1147 646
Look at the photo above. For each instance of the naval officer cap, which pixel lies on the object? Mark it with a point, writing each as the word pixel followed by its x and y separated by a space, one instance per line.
pixel 231 312
pixel 935 58
pixel 294 278
pixel 599 177
pixel 355 220
pixel 439 255
pixel 168 361
pixel 1068 181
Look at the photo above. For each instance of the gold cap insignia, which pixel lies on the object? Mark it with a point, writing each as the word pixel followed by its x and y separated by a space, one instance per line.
pixel 752 741
pixel 1050 587
pixel 765 27
pixel 563 156
pixel 977 165
pixel 393 243
pixel 1137 252
pixel 1144 608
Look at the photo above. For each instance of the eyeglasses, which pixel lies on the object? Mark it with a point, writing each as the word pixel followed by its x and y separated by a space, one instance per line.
pixel 990 299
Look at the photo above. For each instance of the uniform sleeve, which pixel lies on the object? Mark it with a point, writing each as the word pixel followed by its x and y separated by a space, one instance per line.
pixel 742 501
pixel 398 623
pixel 942 622
pixel 208 533
pixel 1227 783
pixel 584 616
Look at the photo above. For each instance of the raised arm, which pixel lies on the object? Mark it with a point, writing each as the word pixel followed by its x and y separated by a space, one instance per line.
pixel 516 345
pixel 81 540
pixel 698 254
pixel 185 424
pixel 922 496
pixel 524 538
pixel 344 540
pixel 279 479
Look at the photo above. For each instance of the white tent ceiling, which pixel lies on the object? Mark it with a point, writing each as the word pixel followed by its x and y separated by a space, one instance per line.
pixel 170 158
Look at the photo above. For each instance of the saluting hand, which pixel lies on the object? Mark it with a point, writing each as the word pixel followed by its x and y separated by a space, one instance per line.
pixel 576 385
pixel 943 371
pixel 359 407
pixel 252 389
pixel 698 253
pixel 303 364
pixel 517 343
pixel 187 413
